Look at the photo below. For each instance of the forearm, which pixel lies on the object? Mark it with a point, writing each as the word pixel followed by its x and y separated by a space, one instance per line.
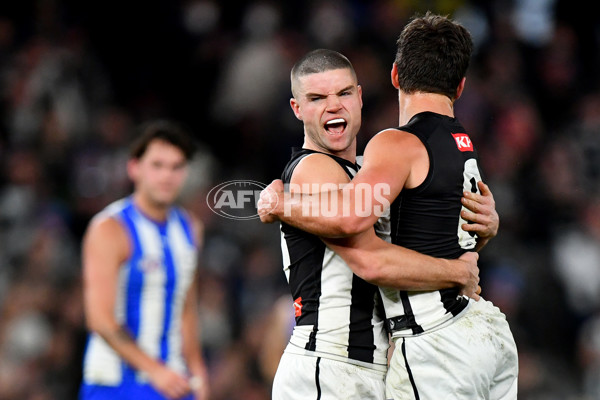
pixel 388 265
pixel 124 345
pixel 405 269
pixel 192 353
pixel 330 227
pixel 191 339
pixel 326 214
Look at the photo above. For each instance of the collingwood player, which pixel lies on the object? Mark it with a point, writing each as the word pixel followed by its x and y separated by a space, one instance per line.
pixel 338 348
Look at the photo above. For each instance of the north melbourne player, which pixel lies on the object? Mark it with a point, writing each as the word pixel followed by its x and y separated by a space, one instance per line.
pixel 139 268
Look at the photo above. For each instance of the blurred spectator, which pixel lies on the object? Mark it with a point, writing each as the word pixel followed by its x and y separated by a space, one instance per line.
pixel 589 356
pixel 577 255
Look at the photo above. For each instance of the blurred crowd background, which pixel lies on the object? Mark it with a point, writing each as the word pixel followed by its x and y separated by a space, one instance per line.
pixel 77 76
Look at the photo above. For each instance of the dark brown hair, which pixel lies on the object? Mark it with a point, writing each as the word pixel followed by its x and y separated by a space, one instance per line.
pixel 164 130
pixel 433 54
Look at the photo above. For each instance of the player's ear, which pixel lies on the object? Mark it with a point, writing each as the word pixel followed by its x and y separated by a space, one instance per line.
pixel 394 76
pixel 133 169
pixel 360 95
pixel 460 88
pixel 296 108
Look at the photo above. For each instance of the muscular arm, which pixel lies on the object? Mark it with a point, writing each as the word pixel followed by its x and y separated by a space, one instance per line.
pixel 380 262
pixel 387 265
pixel 105 248
pixel 383 175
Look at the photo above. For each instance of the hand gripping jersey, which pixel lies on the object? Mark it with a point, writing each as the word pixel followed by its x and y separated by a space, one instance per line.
pixel 151 291
pixel 427 219
pixel 338 315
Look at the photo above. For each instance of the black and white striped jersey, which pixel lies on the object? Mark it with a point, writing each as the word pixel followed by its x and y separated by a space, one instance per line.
pixel 427 219
pixel 338 314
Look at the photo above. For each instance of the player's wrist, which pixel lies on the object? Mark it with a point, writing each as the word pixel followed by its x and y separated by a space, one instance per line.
pixel 459 273
pixel 153 368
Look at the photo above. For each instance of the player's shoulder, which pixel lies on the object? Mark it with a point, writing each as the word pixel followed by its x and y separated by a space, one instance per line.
pixel 108 222
pixel 393 142
pixel 318 168
pixel 106 236
pixel 317 160
pixel 105 225
pixel 394 135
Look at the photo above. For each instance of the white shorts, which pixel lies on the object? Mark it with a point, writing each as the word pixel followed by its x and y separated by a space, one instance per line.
pixel 475 357
pixel 302 377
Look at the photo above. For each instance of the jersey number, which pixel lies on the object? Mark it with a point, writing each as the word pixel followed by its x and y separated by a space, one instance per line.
pixel 471 176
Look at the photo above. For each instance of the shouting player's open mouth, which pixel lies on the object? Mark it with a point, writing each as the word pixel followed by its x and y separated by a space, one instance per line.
pixel 336 126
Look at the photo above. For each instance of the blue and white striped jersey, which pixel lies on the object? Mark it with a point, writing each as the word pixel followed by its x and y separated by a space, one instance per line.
pixel 151 292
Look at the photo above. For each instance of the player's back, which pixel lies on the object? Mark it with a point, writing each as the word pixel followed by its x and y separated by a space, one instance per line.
pixel 150 293
pixel 427 219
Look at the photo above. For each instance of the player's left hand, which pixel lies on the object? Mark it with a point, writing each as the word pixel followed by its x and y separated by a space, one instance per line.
pixel 270 203
pixel 480 212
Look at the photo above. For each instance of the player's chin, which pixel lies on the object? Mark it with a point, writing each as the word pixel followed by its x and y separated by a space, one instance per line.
pixel 339 144
pixel 165 199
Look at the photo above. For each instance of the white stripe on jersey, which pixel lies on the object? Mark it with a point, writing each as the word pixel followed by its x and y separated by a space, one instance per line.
pixel 285 255
pixel 335 302
pixel 152 306
pixel 185 263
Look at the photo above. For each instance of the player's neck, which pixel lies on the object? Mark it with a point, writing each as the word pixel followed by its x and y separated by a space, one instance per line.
pixel 149 208
pixel 412 104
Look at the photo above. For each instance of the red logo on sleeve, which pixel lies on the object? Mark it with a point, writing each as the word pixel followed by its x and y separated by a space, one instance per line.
pixel 298 307
pixel 463 142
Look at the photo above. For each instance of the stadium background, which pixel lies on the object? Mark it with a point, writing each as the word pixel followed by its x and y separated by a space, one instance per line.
pixel 75 77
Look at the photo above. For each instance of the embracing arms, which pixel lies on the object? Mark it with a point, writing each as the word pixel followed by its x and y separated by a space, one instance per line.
pixel 380 262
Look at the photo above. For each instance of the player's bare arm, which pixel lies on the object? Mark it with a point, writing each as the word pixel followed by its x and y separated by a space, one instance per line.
pixel 383 263
pixel 388 265
pixel 190 334
pixel 105 248
pixel 387 166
